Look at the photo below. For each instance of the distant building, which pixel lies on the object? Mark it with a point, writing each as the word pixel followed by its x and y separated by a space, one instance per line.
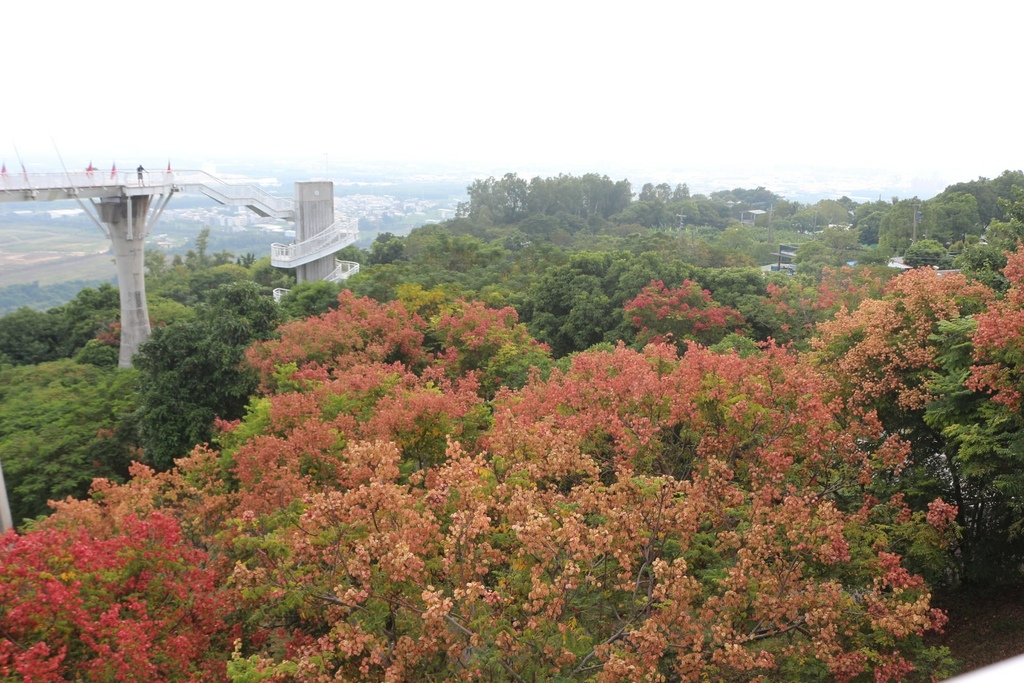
pixel 748 217
pixel 897 262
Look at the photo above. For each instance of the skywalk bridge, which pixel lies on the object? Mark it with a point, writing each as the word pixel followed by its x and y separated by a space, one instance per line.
pixel 125 206
pixel 36 187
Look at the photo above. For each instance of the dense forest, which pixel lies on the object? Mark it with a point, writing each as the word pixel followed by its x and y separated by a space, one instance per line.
pixel 579 432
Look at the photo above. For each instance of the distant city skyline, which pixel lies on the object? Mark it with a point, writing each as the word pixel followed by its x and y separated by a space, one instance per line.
pixel 904 89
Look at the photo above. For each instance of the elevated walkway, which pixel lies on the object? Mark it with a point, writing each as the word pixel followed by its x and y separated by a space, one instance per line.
pixel 252 197
pixel 337 236
pixel 48 187
pixel 43 187
pixel 125 206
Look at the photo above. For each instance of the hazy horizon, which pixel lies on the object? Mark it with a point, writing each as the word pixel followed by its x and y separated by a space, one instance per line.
pixel 663 90
pixel 804 183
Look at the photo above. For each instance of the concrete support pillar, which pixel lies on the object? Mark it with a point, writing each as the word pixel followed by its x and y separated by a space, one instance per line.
pixel 125 218
pixel 314 213
pixel 5 506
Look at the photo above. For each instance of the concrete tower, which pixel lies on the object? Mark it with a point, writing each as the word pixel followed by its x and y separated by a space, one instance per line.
pixel 314 213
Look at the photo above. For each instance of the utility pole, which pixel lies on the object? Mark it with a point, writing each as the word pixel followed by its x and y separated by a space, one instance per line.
pixel 916 205
pixel 682 229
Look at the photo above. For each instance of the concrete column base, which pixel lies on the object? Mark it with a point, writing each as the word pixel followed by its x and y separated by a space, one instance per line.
pixel 128 236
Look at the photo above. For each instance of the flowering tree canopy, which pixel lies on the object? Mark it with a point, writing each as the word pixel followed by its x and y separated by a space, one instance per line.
pixel 376 516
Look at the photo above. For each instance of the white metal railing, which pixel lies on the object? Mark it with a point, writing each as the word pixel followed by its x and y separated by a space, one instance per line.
pixel 201 181
pixel 337 236
pixel 343 270
pixel 16 182
pixel 237 194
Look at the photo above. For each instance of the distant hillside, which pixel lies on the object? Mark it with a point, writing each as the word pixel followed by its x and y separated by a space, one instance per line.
pixel 41 297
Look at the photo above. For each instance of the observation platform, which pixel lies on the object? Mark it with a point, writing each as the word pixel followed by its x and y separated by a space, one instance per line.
pixel 42 187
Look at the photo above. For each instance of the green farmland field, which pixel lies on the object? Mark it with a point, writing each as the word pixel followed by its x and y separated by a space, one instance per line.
pixel 51 254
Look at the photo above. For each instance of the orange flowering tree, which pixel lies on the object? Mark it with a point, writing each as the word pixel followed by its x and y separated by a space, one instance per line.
pixel 998 341
pixel 883 351
pixel 633 516
pixel 905 357
pixel 801 303
pixel 637 515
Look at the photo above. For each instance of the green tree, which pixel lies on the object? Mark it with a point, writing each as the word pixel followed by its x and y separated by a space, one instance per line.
pixel 28 336
pixel 1006 234
pixel 61 425
pixel 575 305
pixel 896 231
pixel 499 201
pixel 833 212
pixel 191 371
pixel 269 277
pixel 89 313
pixel 387 248
pixel 156 263
pixel 834 247
pixel 868 226
pixel 982 441
pixel 989 194
pixel 98 353
pixel 983 262
pixel 206 280
pixel 198 259
pixel 953 217
pixel 928 253
pixel 310 298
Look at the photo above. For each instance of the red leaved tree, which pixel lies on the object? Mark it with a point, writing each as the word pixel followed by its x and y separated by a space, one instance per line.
pixel 800 305
pixel 359 331
pixel 999 340
pixel 882 351
pixel 471 337
pixel 684 313
pixel 138 604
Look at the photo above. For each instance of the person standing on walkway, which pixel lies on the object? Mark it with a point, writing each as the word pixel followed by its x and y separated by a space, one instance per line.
pixel 140 171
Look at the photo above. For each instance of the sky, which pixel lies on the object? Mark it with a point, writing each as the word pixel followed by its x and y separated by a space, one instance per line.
pixel 900 86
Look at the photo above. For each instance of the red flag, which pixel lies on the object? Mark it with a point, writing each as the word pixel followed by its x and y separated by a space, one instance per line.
pixel 113 170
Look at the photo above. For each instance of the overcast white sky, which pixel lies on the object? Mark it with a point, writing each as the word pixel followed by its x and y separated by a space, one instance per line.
pixel 922 87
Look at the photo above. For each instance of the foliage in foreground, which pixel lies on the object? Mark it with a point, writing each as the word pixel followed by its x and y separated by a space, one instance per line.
pixel 62 425
pixel 136 603
pixel 377 515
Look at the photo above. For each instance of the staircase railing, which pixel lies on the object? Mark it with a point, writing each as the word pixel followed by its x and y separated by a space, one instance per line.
pixel 343 270
pixel 339 235
pixel 252 196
